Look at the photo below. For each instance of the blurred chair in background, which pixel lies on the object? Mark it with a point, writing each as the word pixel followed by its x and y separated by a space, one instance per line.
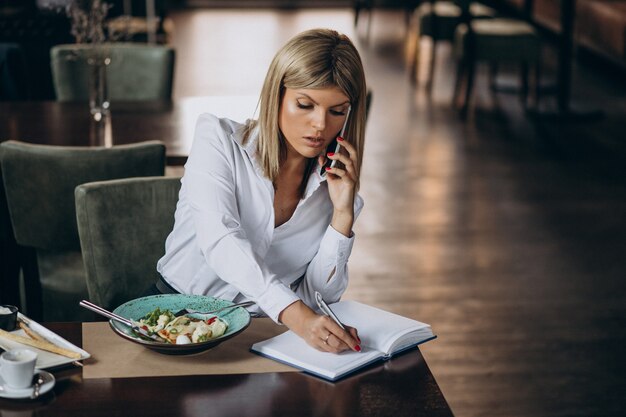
pixel 137 72
pixel 13 84
pixel 139 21
pixel 360 5
pixel 35 32
pixel 123 225
pixel 39 181
pixel 9 264
pixel 438 20
pixel 496 41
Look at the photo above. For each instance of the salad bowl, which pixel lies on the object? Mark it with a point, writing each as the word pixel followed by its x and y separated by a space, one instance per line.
pixel 238 319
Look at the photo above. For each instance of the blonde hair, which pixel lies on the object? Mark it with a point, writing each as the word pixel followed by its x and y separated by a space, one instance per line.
pixel 317 58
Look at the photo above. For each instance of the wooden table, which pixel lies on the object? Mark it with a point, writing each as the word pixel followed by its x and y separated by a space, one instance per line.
pixel 403 386
pixel 70 124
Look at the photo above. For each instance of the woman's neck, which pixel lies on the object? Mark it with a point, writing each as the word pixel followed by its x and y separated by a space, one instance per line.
pixel 294 165
pixel 288 188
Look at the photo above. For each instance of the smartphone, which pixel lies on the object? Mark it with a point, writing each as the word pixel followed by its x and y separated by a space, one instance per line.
pixel 334 146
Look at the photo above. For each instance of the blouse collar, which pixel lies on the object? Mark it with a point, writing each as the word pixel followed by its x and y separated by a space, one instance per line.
pixel 250 147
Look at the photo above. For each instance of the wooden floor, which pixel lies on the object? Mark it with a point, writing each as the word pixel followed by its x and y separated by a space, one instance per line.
pixel 508 236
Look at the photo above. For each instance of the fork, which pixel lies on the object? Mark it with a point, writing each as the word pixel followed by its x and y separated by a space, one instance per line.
pixel 133 325
pixel 217 310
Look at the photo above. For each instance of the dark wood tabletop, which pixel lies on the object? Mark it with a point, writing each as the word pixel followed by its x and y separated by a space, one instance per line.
pixel 402 386
pixel 71 124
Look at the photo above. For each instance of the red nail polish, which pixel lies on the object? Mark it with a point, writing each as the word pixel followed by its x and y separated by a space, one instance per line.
pixel 339 138
pixel 357 348
pixel 359 339
pixel 330 153
pixel 327 168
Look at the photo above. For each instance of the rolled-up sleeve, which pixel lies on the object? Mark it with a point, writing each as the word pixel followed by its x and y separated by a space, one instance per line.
pixel 328 271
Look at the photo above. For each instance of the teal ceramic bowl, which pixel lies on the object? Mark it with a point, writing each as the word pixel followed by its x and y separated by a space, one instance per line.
pixel 237 318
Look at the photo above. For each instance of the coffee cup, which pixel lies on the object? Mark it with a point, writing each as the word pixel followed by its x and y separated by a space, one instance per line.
pixel 8 317
pixel 17 367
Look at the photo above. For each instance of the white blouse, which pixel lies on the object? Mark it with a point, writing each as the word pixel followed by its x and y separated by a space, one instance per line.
pixel 224 243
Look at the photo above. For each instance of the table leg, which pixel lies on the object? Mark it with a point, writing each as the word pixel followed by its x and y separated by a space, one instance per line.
pixel 565 109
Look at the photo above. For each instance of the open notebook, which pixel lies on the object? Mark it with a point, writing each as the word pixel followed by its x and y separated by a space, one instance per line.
pixel 383 334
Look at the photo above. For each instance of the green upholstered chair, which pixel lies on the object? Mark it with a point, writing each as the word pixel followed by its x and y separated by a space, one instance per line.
pixel 13 84
pixel 9 256
pixel 137 72
pixel 123 225
pixel 437 20
pixel 495 41
pixel 39 182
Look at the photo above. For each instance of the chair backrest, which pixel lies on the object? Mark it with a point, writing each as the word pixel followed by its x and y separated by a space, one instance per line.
pixel 137 72
pixel 39 182
pixel 123 225
pixel 13 84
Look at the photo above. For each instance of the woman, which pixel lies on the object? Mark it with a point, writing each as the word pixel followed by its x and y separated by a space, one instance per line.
pixel 257 218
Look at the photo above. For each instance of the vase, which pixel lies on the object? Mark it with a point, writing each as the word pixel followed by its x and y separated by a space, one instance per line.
pixel 98 92
pixel 100 132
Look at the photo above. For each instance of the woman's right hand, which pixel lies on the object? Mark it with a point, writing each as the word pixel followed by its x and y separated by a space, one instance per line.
pixel 321 332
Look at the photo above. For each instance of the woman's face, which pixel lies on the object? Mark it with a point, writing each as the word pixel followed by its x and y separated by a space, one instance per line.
pixel 311 118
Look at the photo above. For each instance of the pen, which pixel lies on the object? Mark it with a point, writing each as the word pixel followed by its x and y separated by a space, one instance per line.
pixel 324 307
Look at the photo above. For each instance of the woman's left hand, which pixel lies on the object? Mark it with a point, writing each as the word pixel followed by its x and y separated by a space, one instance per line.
pixel 342 181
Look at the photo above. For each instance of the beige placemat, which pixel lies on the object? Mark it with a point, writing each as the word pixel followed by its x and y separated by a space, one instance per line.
pixel 114 357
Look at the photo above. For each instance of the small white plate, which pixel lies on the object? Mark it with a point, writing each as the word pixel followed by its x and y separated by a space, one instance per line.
pixel 45 359
pixel 22 393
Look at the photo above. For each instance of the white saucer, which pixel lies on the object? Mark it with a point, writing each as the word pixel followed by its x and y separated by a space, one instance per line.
pixel 8 392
